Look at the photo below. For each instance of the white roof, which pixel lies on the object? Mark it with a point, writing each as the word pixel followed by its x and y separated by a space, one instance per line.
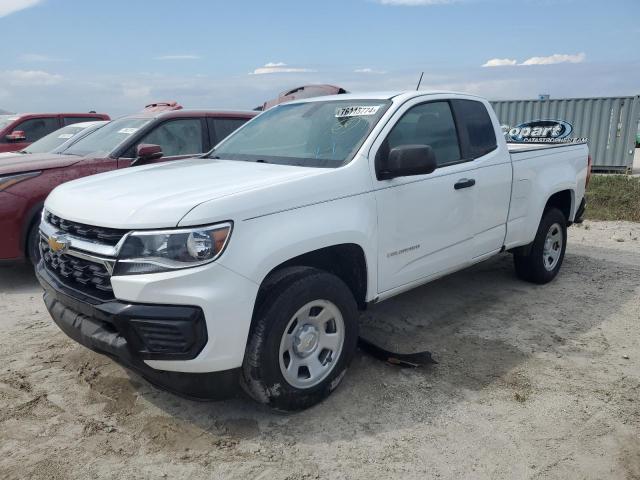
pixel 405 94
pixel 87 124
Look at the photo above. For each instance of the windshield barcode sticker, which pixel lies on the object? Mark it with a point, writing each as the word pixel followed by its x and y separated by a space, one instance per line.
pixel 357 111
pixel 65 135
pixel 128 131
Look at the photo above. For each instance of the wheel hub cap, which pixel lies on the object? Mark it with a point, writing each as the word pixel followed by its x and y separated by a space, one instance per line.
pixel 311 344
pixel 306 340
pixel 552 247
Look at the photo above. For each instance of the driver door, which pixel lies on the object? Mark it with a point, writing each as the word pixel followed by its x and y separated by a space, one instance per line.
pixel 425 222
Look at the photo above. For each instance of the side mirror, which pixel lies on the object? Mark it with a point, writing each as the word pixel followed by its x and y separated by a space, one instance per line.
pixel 408 160
pixel 16 136
pixel 146 152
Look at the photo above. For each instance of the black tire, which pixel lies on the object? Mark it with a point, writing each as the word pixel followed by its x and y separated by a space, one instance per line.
pixel 33 243
pixel 531 267
pixel 286 293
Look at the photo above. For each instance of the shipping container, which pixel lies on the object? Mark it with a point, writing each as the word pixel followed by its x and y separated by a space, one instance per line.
pixel 609 123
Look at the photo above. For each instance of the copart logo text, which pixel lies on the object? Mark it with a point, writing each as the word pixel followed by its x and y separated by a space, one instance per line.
pixel 543 131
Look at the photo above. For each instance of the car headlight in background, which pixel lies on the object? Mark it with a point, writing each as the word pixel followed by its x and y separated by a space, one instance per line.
pixel 166 250
pixel 9 180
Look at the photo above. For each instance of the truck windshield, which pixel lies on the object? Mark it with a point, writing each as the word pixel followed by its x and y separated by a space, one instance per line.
pixel 106 139
pixel 313 134
pixel 52 141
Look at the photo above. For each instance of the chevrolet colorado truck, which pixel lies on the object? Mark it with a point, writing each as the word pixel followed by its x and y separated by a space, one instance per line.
pixel 249 264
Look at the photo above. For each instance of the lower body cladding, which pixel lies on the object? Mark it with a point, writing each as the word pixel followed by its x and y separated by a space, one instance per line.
pixel 184 331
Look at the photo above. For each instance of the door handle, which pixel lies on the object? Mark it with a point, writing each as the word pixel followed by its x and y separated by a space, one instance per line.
pixel 464 183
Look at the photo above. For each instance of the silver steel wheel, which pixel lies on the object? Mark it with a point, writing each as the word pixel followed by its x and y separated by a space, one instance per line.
pixel 311 344
pixel 552 247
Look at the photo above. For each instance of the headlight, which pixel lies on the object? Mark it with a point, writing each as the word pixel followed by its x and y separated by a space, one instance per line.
pixel 165 250
pixel 6 182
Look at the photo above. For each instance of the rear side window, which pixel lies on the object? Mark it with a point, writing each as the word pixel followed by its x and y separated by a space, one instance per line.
pixel 177 137
pixel 221 128
pixel 476 129
pixel 71 120
pixel 36 128
pixel 427 124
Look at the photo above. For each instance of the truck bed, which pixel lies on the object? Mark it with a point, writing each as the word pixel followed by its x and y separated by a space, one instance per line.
pixel 528 147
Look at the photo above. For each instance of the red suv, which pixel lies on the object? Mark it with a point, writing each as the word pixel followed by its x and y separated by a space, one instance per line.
pixel 146 137
pixel 20 130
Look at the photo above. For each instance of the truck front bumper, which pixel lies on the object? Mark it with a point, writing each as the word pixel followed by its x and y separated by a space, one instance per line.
pixel 141 336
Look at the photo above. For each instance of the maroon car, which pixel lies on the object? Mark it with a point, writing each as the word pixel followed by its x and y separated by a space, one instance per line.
pixel 18 131
pixel 134 139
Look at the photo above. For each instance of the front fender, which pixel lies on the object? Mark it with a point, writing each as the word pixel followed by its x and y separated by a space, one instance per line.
pixel 259 245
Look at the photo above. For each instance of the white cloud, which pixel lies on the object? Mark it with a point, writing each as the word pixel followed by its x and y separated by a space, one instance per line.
pixel 555 58
pixel 415 3
pixel 368 70
pixel 24 78
pixel 279 67
pixel 186 56
pixel 550 60
pixel 7 7
pixel 500 62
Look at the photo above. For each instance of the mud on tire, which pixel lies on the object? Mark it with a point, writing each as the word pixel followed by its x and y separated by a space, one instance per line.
pixel 287 292
pixel 544 258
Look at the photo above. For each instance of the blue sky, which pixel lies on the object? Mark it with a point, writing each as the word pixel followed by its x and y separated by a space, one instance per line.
pixel 116 55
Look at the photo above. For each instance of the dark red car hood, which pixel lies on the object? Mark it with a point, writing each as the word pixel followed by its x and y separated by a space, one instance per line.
pixel 35 161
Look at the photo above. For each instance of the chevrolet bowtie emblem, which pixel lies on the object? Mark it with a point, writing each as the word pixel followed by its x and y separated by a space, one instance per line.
pixel 58 244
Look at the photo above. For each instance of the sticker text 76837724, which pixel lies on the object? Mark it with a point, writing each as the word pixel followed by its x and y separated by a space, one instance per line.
pixel 356 111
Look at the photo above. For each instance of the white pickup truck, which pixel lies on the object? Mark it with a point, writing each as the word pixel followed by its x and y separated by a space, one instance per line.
pixel 249 264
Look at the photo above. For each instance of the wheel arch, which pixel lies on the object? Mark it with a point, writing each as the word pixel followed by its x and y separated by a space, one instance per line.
pixel 347 261
pixel 32 216
pixel 564 200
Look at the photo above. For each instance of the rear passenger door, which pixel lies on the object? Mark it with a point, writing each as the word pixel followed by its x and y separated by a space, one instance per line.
pixel 425 222
pixel 492 174
pixel 222 127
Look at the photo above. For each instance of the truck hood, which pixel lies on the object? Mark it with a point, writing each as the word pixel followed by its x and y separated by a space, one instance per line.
pixel 160 195
pixel 29 162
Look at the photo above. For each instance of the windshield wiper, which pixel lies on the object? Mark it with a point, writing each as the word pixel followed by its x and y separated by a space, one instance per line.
pixel 257 160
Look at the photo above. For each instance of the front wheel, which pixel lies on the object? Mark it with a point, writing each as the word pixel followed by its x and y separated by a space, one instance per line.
pixel 33 243
pixel 546 253
pixel 302 341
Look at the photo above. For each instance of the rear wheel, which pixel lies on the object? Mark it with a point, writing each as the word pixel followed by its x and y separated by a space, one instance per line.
pixel 302 341
pixel 544 259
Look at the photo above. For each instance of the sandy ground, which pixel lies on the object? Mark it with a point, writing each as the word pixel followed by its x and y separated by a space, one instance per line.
pixel 532 382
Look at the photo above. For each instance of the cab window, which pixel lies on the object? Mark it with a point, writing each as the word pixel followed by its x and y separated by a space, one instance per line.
pixel 427 124
pixel 177 137
pixel 221 128
pixel 476 128
pixel 36 128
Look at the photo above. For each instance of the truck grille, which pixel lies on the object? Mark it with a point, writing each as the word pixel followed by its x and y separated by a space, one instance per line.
pixel 109 236
pixel 85 276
